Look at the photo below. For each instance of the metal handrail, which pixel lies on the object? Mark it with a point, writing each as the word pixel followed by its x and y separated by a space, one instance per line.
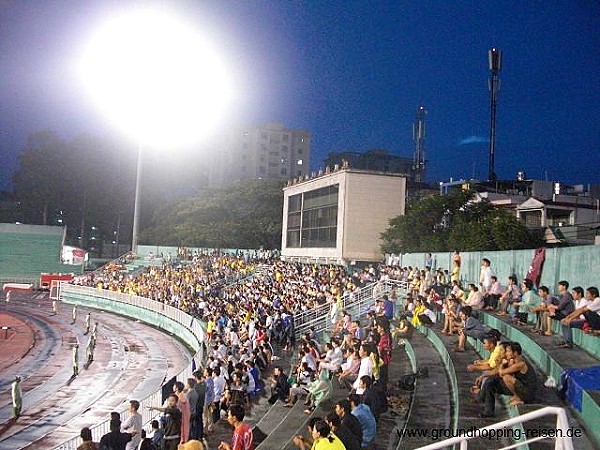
pixel 114 261
pixel 356 303
pixel 562 442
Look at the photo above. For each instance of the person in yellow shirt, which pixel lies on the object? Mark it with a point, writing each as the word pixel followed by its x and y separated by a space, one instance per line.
pixel 210 327
pixel 490 343
pixel 419 309
pixel 323 438
pixel 489 367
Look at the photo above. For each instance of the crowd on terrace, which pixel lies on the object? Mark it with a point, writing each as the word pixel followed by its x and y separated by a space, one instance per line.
pixel 533 309
pixel 247 315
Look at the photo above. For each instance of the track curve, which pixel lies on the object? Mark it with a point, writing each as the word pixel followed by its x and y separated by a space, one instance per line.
pixel 131 361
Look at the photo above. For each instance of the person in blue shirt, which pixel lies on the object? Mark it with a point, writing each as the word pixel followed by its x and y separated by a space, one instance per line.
pixel 366 418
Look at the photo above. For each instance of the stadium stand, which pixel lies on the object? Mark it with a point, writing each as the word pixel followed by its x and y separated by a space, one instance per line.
pixel 447 387
pixel 29 250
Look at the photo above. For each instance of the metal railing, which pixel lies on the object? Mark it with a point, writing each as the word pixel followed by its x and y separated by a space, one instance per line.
pixel 356 303
pixel 562 440
pixel 77 294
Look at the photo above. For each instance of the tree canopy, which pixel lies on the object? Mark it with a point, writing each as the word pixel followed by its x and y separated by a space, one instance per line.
pixel 245 214
pixel 85 182
pixel 455 221
pixel 89 181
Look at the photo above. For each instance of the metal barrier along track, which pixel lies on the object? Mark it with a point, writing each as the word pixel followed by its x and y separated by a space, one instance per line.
pixel 171 319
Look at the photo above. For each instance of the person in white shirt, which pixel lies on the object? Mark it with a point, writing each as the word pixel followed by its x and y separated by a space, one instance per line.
pixel 485 275
pixel 493 294
pixel 579 299
pixel 333 358
pixel 133 425
pixel 366 367
pixel 512 294
pixel 474 299
pixel 591 312
pixel 218 389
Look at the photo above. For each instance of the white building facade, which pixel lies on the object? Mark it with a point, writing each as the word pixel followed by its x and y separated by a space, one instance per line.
pixel 339 217
pixel 266 152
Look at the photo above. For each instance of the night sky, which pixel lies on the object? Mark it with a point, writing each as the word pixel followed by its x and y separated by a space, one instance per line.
pixel 351 72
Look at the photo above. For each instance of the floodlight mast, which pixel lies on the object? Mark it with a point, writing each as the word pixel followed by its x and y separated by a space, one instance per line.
pixel 495 62
pixel 136 204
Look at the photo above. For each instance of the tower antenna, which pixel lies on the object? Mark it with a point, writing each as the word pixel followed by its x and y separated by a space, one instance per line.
pixel 495 61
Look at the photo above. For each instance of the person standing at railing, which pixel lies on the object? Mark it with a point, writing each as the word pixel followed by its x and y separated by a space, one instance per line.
pixel 455 269
pixel 133 425
pixel 86 438
pixel 184 407
pixel 172 426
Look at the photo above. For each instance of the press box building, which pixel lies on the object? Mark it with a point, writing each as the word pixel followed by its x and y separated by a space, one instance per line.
pixel 338 217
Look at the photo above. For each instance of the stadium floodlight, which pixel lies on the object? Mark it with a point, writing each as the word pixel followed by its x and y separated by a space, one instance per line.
pixel 158 79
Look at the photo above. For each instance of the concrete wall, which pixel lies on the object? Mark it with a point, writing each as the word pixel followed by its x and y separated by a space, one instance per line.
pixel 580 265
pixel 371 201
pixel 366 203
pixel 171 320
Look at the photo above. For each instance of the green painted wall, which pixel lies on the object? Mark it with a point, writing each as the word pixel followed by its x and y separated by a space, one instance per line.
pixel 143 315
pixel 580 265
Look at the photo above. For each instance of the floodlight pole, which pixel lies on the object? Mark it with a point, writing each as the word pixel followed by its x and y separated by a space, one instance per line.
pixel 495 61
pixel 136 205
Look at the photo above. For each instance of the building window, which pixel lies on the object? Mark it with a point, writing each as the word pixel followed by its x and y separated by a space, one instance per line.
pixel 263 135
pixel 284 171
pixel 286 137
pixel 312 218
pixel 262 170
pixel 532 219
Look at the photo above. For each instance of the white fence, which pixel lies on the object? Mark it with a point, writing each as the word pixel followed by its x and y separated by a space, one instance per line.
pixel 149 311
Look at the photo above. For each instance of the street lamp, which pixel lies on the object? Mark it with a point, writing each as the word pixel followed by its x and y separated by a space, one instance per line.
pixel 159 80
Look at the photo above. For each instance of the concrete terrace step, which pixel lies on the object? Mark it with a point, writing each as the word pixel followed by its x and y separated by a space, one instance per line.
pixel 542 351
pixel 432 402
pixel 467 408
pixel 282 424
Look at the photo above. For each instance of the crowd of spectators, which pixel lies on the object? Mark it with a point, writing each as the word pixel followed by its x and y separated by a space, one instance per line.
pixel 246 316
pixel 535 310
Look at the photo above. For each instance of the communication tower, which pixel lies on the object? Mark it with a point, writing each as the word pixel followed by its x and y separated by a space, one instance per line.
pixel 419 138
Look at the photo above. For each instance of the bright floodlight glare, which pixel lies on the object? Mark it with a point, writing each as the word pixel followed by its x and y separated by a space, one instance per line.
pixel 157 78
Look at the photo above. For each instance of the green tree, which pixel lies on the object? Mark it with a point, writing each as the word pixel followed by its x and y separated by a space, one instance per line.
pixel 38 181
pixel 246 214
pixel 447 222
pixel 85 182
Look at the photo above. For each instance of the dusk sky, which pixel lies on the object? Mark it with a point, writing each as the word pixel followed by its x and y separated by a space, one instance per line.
pixel 352 73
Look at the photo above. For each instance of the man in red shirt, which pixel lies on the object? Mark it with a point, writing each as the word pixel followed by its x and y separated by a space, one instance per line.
pixel 242 433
